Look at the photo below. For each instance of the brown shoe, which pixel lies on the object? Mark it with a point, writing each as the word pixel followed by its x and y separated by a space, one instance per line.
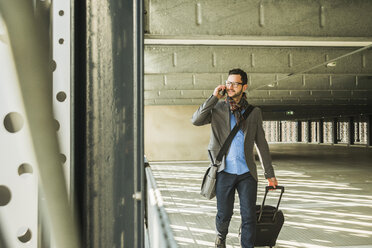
pixel 220 243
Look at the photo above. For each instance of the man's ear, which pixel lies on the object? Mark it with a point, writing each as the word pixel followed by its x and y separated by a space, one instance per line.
pixel 245 87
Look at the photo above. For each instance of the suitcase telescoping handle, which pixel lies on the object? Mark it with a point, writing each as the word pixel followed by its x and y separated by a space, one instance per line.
pixel 263 201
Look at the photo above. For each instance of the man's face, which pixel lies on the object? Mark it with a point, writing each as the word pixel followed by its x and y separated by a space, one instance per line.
pixel 231 90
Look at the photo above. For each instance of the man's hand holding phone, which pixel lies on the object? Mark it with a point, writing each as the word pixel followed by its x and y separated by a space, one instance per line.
pixel 220 91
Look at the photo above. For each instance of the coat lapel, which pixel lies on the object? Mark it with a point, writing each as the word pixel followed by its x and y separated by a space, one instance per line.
pixel 245 125
pixel 227 115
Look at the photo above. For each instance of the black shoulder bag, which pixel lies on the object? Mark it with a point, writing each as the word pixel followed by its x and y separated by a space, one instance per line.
pixel 208 187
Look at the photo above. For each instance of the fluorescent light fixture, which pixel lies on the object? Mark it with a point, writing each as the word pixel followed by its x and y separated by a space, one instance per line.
pixel 331 64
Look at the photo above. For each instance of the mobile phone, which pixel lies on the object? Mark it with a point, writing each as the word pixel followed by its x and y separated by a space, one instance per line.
pixel 222 92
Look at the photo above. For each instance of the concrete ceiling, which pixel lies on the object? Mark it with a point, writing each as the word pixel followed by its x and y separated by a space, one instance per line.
pixel 309 57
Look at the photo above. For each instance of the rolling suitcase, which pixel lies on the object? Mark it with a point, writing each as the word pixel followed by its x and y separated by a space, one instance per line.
pixel 269 221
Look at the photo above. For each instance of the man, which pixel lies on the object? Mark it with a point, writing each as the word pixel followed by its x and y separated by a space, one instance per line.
pixel 238 170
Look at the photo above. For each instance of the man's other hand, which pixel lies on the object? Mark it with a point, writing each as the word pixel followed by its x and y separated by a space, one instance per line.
pixel 273 182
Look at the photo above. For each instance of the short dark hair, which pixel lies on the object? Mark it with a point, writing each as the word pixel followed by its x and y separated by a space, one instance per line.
pixel 240 72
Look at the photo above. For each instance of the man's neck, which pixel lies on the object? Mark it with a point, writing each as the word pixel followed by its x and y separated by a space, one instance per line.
pixel 237 99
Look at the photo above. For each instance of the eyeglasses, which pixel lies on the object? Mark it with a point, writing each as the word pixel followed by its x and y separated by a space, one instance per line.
pixel 234 84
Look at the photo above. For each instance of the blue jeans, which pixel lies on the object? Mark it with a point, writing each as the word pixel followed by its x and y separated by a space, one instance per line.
pixel 225 194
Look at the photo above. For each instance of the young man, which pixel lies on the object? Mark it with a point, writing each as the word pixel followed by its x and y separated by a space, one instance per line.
pixel 238 170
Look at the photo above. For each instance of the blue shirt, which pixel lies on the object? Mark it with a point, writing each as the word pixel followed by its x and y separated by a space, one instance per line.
pixel 235 159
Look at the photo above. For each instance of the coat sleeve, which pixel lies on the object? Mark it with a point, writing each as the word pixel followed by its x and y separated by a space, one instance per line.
pixel 203 115
pixel 263 148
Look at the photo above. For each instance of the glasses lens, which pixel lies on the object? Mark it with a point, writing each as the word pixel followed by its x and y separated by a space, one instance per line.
pixel 234 84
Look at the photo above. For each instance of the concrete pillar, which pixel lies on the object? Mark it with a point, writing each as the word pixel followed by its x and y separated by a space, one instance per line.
pixel 280 127
pixel 321 132
pixel 299 131
pixel 351 132
pixel 334 131
pixel 357 131
pixel 309 131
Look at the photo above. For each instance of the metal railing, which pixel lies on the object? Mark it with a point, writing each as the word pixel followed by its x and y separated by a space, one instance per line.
pixel 158 233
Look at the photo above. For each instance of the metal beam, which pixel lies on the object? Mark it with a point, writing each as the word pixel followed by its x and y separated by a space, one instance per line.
pixel 34 77
pixel 257 41
pixel 113 128
pixel 61 50
pixel 16 155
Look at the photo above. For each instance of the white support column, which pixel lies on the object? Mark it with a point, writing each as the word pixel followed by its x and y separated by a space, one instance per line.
pixel 18 169
pixel 62 80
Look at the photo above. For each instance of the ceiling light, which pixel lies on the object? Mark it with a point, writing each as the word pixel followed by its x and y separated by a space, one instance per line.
pixel 331 64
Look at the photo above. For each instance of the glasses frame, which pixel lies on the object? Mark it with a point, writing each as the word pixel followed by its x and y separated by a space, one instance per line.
pixel 234 84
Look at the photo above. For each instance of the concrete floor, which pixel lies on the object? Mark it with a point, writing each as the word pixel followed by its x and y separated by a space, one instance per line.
pixel 327 203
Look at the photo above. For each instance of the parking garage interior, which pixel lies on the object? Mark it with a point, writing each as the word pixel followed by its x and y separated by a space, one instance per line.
pixel 97 144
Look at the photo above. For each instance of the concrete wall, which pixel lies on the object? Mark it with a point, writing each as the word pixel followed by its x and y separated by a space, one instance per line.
pixel 169 134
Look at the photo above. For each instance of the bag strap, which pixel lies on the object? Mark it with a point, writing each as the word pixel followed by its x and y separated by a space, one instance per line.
pixel 232 134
